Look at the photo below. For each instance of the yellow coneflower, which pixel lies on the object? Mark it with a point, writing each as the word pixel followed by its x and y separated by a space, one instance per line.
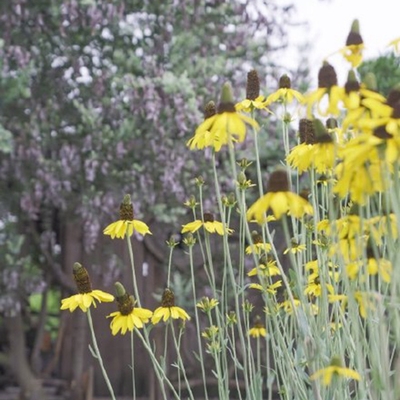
pixel 279 199
pixel 168 309
pixel 126 225
pixel 87 296
pixel 128 316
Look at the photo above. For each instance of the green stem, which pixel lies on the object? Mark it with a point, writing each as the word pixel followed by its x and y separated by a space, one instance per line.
pixel 135 287
pixel 133 366
pixel 180 361
pixel 98 355
pixel 198 330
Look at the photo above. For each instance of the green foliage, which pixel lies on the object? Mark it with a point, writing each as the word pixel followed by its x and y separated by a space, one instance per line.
pixel 386 69
pixel 5 140
pixel 53 308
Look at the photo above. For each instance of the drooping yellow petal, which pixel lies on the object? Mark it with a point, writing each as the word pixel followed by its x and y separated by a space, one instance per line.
pixel 141 227
pixel 192 226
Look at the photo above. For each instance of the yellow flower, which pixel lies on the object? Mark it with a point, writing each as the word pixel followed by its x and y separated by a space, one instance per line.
pixel 285 93
pixel 253 99
pixel 267 267
pixel 258 330
pixel 382 267
pixel 295 247
pixel 86 297
pixel 165 313
pixel 383 114
pixel 128 316
pixel 280 203
pixel 248 105
pixel 365 302
pixel 209 225
pixel 121 228
pixel 288 306
pixel 327 85
pixel 210 333
pixel 85 300
pixel 271 289
pixel 396 45
pixel 319 154
pixel 168 309
pixel 224 128
pixel 352 52
pixel 258 246
pixel 359 183
pixel 135 319
pixel 207 304
pixel 279 199
pixel 126 225
pixel 335 369
pixel 381 226
pixel 314 286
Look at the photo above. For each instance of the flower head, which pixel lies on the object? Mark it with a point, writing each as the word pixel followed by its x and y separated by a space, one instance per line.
pixel 258 329
pixel 266 267
pixel 335 368
pixel 86 297
pixel 352 52
pixel 285 93
pixel 128 316
pixel 209 224
pixel 206 304
pixel 126 225
pixel 319 153
pixel 279 199
pixel 258 245
pixel 253 99
pixel 327 84
pixel 225 127
pixel 168 309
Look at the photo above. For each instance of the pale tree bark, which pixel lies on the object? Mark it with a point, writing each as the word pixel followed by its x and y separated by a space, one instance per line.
pixel 31 387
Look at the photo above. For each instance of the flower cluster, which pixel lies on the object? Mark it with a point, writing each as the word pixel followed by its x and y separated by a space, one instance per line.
pixel 319 245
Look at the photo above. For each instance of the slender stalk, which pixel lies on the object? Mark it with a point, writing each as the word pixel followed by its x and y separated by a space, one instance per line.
pixel 133 366
pixel 98 355
pixel 180 361
pixel 134 281
pixel 198 330
pixel 159 370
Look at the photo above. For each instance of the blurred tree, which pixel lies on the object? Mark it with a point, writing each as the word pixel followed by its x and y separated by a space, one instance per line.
pixel 386 69
pixel 98 100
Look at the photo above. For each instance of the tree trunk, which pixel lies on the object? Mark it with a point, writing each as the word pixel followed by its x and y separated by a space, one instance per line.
pixel 75 340
pixel 31 387
pixel 36 361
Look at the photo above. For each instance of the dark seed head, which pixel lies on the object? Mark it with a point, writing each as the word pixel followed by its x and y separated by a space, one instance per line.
pixel 253 85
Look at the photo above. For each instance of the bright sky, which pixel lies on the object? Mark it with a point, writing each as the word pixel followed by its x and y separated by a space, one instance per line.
pixel 330 22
